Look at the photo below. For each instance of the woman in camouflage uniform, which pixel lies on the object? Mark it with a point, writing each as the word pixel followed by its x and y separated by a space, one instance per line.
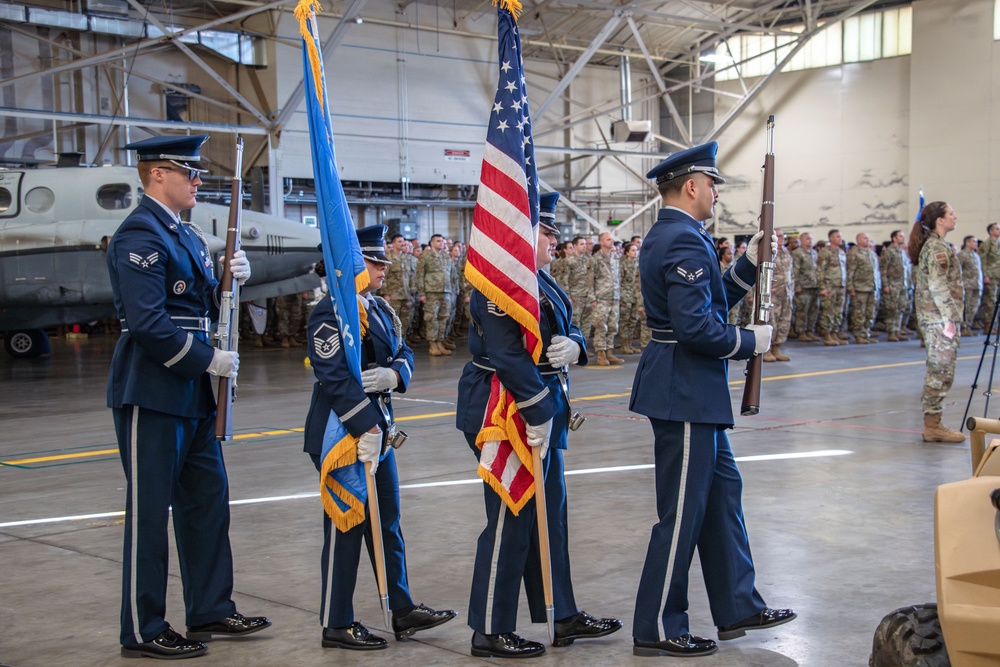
pixel 938 299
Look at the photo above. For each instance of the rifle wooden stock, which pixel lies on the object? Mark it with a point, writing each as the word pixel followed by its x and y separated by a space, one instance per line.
pixel 227 335
pixel 765 275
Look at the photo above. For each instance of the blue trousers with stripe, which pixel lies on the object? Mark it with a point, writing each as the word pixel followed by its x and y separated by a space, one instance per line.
pixel 507 553
pixel 340 575
pixel 699 504
pixel 173 462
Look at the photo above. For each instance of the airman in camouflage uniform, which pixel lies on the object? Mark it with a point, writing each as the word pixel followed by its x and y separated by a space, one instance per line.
pixel 864 283
pixel 396 286
pixel 559 266
pixel 806 289
pixel 604 294
pixel 435 286
pixel 989 252
pixel 459 322
pixel 972 281
pixel 782 284
pixel 576 284
pixel 831 266
pixel 413 252
pixel 628 320
pixel 288 309
pixel 938 298
pixel 897 281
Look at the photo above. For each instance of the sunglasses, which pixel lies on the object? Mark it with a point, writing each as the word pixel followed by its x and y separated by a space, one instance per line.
pixel 191 173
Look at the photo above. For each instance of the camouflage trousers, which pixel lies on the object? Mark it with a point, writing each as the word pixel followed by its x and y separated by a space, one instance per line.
pixel 972 299
pixel 402 303
pixel 863 313
pixel 437 312
pixel 989 300
pixel 628 320
pixel 806 310
pixel 604 317
pixel 831 311
pixel 941 354
pixel 781 315
pixel 289 313
pixel 581 312
pixel 895 307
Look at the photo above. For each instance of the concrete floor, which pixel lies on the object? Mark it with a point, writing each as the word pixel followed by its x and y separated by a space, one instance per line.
pixel 842 538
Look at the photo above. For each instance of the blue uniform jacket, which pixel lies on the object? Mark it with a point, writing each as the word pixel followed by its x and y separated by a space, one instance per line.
pixel 159 271
pixel 495 342
pixel 336 388
pixel 687 300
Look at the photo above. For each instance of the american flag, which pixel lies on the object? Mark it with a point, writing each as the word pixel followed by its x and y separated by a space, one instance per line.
pixel 501 254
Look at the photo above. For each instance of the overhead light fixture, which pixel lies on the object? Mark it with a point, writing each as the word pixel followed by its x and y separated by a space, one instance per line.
pixel 359 20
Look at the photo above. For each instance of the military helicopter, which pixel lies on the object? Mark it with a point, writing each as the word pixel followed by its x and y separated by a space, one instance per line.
pixel 55 224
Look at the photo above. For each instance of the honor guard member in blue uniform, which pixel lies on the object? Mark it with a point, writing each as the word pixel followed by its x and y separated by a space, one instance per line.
pixel 162 396
pixel 366 411
pixel 540 392
pixel 681 385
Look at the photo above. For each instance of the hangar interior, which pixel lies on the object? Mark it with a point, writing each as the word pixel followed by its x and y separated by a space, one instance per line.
pixel 838 487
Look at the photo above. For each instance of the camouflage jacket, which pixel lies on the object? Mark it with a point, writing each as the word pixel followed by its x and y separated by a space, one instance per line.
pixel 397 278
pixel 804 268
pixel 862 270
pixel 411 271
pixel 972 269
pixel 939 296
pixel 629 280
pixel 989 252
pixel 783 277
pixel 831 268
pixel 464 286
pixel 896 269
pixel 577 272
pixel 558 270
pixel 604 277
pixel 434 272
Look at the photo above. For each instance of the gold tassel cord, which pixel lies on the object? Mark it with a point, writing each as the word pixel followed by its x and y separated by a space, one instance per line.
pixel 305 11
pixel 512 6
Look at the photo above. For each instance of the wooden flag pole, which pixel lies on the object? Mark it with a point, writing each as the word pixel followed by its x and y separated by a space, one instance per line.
pixel 375 522
pixel 543 539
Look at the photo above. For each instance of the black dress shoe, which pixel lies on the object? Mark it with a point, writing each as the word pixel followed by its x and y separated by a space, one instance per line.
pixel 506 645
pixel 420 618
pixel 354 637
pixel 685 646
pixel 168 645
pixel 236 625
pixel 584 626
pixel 760 621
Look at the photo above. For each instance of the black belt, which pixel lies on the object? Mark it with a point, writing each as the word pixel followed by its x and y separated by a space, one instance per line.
pixel 484 363
pixel 664 336
pixel 184 322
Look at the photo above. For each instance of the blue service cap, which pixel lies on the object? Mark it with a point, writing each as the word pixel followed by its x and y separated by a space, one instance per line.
pixel 547 211
pixel 372 242
pixel 179 150
pixel 696 159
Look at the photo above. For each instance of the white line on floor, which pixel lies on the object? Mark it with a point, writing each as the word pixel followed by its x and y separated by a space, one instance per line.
pixel 457 482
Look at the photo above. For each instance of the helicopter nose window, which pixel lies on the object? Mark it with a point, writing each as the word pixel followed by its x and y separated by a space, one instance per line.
pixel 115 196
pixel 39 200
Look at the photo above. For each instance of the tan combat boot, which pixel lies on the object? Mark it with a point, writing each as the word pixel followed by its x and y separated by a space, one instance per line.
pixel 935 431
pixel 627 347
pixel 602 359
pixel 966 331
pixel 448 344
pixel 434 351
pixel 828 339
pixel 769 355
pixel 612 358
pixel 778 354
pixel 442 349
pixel 893 337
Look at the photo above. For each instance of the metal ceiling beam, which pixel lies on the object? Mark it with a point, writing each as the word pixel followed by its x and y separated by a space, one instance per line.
pixel 580 63
pixel 655 71
pixel 598 227
pixel 676 19
pixel 197 60
pixel 95 119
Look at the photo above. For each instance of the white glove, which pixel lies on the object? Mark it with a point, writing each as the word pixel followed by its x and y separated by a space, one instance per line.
pixel 379 379
pixel 563 351
pixel 761 336
pixel 370 448
pixel 240 266
pixel 538 436
pixel 223 363
pixel 753 243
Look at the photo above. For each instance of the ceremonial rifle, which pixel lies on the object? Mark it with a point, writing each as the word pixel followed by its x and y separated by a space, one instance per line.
pixel 765 275
pixel 227 336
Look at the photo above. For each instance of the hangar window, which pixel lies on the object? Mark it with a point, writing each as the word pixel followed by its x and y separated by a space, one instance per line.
pixel 115 196
pixel 39 200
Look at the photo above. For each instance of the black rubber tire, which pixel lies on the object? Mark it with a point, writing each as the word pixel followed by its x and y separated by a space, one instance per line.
pixel 910 637
pixel 26 344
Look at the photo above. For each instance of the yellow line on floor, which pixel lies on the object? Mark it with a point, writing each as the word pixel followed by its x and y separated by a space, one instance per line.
pixel 432 415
